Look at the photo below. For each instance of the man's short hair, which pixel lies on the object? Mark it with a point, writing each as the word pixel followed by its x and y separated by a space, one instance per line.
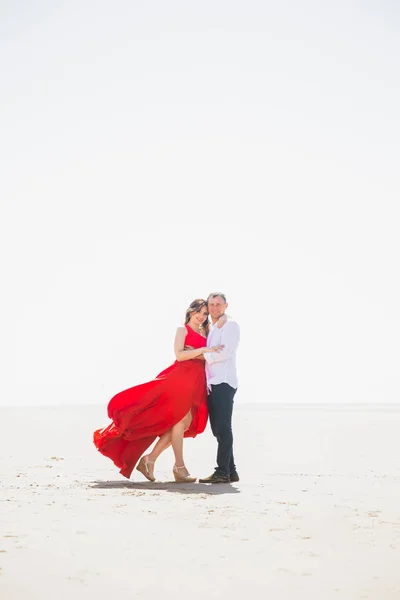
pixel 215 294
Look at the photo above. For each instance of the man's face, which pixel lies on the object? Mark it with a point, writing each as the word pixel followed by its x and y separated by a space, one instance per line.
pixel 216 307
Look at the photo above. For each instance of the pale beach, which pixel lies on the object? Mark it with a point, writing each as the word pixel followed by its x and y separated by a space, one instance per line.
pixel 314 516
pixel 154 154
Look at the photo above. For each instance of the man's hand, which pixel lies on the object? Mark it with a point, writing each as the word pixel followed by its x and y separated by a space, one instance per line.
pixel 221 321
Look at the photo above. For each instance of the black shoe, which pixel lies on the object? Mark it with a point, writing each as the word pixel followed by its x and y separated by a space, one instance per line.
pixel 234 477
pixel 215 478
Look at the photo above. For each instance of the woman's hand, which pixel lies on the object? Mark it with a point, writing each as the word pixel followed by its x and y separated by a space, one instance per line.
pixel 215 348
pixel 211 349
pixel 221 321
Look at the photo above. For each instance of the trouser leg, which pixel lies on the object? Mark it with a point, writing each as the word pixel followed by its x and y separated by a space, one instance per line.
pixel 221 408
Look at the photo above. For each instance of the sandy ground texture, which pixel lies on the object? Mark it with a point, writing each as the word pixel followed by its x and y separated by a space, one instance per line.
pixel 316 514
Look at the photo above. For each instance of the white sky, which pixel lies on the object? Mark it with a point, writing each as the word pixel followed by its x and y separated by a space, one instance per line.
pixel 153 152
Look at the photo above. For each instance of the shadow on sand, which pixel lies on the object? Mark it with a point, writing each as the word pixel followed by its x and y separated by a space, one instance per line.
pixel 168 486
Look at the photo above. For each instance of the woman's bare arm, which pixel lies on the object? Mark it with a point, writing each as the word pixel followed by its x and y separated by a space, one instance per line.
pixel 182 354
pixel 201 357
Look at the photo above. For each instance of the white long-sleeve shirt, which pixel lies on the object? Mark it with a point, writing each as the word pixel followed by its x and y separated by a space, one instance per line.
pixel 221 366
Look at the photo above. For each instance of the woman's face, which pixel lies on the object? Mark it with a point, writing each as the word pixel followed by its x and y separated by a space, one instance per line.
pixel 198 318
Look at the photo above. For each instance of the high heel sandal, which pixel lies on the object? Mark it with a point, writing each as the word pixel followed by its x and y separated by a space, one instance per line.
pixel 144 469
pixel 182 478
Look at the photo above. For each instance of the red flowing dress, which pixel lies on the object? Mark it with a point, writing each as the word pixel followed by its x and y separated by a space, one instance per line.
pixel 142 413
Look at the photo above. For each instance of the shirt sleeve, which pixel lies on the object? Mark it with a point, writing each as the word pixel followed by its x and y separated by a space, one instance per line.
pixel 230 337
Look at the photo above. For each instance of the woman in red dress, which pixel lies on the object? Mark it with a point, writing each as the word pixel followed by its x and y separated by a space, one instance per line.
pixel 171 406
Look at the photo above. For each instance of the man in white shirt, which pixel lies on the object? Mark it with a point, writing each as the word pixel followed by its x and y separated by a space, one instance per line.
pixel 222 385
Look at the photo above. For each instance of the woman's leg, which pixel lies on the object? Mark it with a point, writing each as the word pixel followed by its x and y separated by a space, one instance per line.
pixel 164 441
pixel 174 436
pixel 178 431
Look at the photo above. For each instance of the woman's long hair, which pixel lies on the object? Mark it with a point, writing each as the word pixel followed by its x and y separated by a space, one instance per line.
pixel 195 307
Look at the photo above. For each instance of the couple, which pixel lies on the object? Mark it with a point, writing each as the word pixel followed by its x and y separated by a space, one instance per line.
pixel 201 383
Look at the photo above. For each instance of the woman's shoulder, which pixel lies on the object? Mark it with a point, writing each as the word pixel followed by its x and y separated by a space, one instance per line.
pixel 181 329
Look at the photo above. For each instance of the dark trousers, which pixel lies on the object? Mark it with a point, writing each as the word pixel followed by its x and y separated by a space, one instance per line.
pixel 220 407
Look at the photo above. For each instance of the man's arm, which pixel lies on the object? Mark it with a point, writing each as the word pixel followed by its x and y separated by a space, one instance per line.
pixel 230 336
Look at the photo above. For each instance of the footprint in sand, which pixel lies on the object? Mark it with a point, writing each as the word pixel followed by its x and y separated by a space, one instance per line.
pixel 283 570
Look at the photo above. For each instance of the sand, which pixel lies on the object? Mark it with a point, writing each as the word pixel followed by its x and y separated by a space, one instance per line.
pixel 316 514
